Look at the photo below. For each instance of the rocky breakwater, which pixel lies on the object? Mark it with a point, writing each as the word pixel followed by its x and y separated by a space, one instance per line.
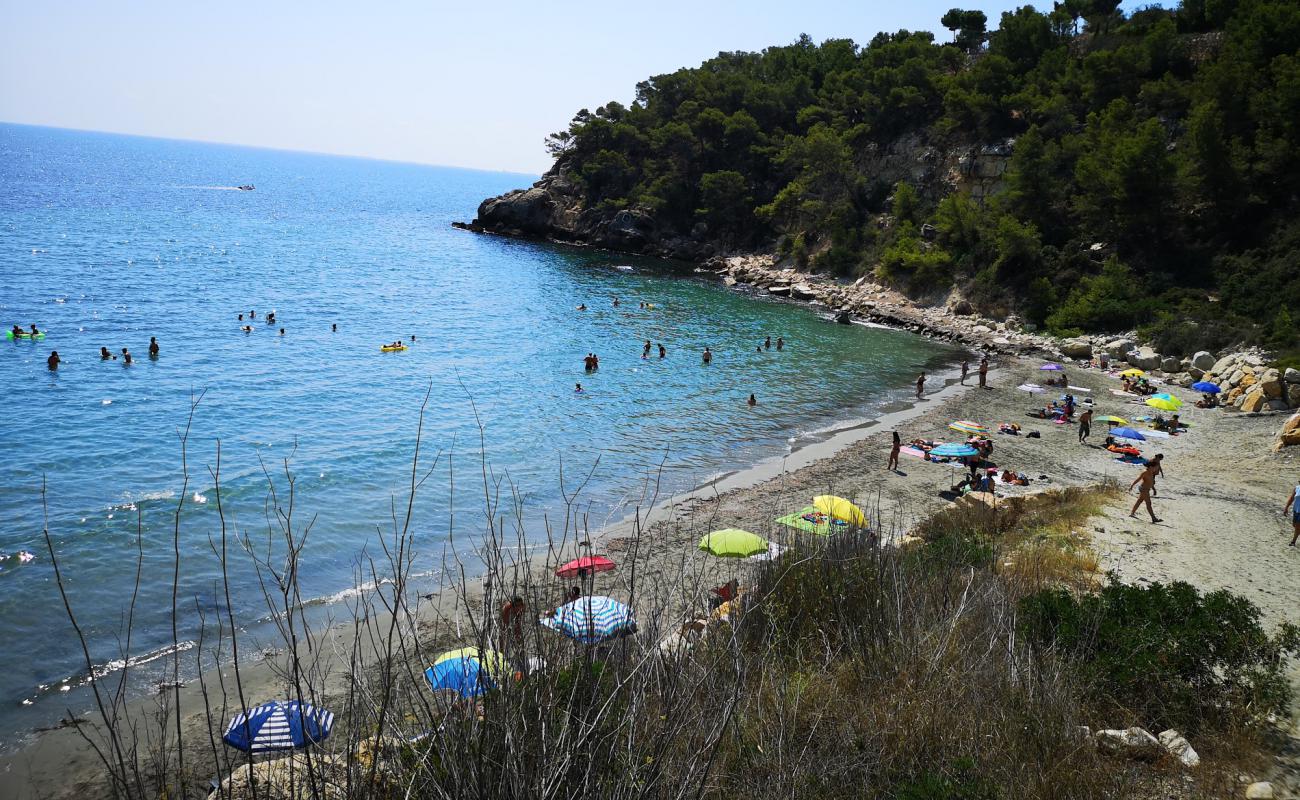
pixel 863 299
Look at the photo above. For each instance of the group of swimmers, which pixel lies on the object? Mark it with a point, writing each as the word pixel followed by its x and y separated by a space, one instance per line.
pixel 55 360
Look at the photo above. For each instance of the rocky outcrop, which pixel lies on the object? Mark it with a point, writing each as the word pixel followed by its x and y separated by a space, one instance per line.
pixel 1289 435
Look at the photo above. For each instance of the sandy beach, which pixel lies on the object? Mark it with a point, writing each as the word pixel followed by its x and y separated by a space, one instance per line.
pixel 1220 501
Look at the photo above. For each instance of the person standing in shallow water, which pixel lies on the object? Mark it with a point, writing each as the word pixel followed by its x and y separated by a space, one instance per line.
pixel 752 401
pixel 767 343
pixel 984 372
pixel 153 347
pixel 53 361
pixel 662 351
pixel 920 385
pixel 708 355
pixel 894 450
pixel 780 342
pixel 126 357
pixel 965 368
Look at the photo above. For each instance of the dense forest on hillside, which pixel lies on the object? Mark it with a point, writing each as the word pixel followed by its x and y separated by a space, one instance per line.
pixel 1153 181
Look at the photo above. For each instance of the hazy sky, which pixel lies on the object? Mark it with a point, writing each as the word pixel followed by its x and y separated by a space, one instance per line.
pixel 474 84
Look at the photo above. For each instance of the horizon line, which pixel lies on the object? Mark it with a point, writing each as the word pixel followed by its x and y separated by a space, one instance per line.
pixel 271 148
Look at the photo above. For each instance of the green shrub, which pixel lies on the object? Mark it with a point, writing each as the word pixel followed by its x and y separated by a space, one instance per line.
pixel 1166 653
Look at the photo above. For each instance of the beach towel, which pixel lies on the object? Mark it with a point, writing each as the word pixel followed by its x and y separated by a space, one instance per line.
pixel 914 452
pixel 1079 388
pixel 810 520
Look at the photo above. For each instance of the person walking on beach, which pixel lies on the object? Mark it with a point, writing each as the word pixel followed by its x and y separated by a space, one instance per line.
pixel 984 372
pixel 894 450
pixel 1293 506
pixel 1146 483
pixel 1085 426
pixel 965 369
pixel 153 346
pixel 920 385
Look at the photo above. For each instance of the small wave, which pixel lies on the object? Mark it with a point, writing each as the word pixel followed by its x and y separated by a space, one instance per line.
pixel 200 498
pixel 211 188
pixel 106 402
pixel 101 671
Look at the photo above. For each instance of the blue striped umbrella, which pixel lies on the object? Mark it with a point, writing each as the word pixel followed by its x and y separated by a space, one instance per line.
pixel 278 725
pixel 1207 387
pixel 592 620
pixel 1128 433
pixel 953 450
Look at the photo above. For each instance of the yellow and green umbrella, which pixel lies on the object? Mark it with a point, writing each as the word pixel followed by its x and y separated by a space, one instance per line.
pixel 1132 373
pixel 1112 419
pixel 966 426
pixel 733 543
pixel 1163 403
pixel 839 508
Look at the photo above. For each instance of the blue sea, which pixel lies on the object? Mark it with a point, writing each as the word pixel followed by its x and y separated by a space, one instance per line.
pixel 106 241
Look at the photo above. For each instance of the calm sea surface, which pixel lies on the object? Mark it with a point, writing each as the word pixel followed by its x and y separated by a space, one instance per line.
pixel 108 240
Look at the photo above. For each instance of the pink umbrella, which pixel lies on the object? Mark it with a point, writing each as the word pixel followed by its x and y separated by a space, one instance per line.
pixel 587 565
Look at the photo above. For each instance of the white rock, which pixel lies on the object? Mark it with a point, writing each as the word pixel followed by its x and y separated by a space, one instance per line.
pixel 1077 348
pixel 1179 747
pixel 1260 790
pixel 981 329
pixel 1144 358
pixel 1133 741
pixel 1118 348
pixel 1224 365
pixel 1292 375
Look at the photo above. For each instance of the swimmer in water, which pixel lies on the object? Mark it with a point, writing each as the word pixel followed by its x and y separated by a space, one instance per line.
pixel 645 351
pixel 767 343
pixel 780 342
pixel 282 331
pixel 241 317
pixel 34 331
pixel 753 401
pixel 582 306
pixel 758 349
pixel 153 346
pixel 577 388
pixel 126 357
pixel 104 355
pixel 252 315
pixel 17 331
pixel 708 355
pixel 615 302
pixel 662 351
pixel 334 327
pixel 53 361
pixel 247 329
pixel 413 338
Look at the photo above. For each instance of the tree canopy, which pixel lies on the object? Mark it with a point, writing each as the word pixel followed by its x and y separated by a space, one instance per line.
pixel 1153 174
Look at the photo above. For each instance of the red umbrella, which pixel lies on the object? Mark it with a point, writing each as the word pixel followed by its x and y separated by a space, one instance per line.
pixel 586 564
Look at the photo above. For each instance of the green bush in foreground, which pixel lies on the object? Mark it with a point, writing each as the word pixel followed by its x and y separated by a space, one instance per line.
pixel 1168 654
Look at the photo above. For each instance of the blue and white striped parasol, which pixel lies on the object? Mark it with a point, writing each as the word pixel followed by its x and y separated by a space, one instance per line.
pixel 592 620
pixel 278 725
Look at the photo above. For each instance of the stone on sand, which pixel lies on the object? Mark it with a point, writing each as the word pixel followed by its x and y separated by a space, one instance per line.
pixel 1203 360
pixel 1179 747
pixel 1260 790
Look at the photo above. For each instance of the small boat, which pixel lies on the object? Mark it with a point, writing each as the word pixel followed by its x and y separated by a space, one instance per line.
pixel 388 348
pixel 248 187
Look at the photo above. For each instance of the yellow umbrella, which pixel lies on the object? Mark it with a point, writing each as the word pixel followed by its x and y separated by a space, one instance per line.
pixel 492 662
pixel 1132 373
pixel 1162 404
pixel 1112 419
pixel 839 508
pixel 733 543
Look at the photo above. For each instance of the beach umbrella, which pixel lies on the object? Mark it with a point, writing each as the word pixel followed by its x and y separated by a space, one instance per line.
pixel 966 426
pixel 1132 373
pixel 1167 396
pixel 1032 388
pixel 278 725
pixel 587 565
pixel 1206 387
pixel 1052 368
pixel 954 450
pixel 733 543
pixel 839 508
pixel 1162 403
pixel 1112 419
pixel 592 620
pixel 468 671
pixel 1128 433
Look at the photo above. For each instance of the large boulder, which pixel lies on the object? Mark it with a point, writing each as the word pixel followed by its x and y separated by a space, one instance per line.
pixel 1271 384
pixel 1179 747
pixel 1203 360
pixel 802 291
pixel 1253 401
pixel 1224 365
pixel 1293 395
pixel 1170 364
pixel 1289 435
pixel 1260 790
pixel 1292 375
pixel 1076 348
pixel 1118 348
pixel 1144 358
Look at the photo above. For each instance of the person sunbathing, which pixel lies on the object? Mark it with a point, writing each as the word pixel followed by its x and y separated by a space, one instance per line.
pixel 1208 401
pixel 1115 447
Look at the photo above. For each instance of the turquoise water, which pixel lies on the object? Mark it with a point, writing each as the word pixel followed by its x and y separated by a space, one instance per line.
pixel 108 240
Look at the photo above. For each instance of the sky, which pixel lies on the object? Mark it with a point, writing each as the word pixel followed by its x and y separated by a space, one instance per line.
pixel 470 84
